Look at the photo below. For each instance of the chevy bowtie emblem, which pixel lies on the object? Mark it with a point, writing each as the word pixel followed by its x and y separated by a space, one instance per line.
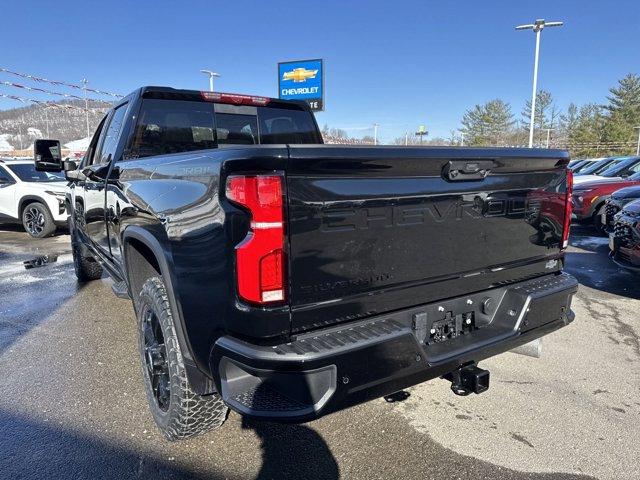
pixel 299 75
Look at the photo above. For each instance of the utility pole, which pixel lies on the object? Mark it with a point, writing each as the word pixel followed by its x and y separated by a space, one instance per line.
pixel 549 130
pixel 46 119
pixel 638 147
pixel 375 133
pixel 20 133
pixel 86 104
pixel 211 75
pixel 537 27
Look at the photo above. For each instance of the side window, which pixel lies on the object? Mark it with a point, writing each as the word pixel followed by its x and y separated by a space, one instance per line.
pixel 109 139
pixel 5 177
pixel 634 168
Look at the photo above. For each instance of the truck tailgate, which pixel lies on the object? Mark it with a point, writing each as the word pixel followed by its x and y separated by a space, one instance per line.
pixel 376 229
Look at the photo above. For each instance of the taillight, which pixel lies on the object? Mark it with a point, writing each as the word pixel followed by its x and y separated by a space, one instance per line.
pixel 235 98
pixel 260 261
pixel 568 209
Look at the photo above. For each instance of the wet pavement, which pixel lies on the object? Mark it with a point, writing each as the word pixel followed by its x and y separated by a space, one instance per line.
pixel 73 404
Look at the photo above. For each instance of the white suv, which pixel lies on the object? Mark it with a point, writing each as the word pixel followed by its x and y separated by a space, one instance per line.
pixel 35 199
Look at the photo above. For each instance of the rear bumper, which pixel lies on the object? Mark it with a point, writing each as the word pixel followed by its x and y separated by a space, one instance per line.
pixel 337 367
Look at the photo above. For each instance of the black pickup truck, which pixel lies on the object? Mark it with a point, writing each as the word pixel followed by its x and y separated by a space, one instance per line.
pixel 286 279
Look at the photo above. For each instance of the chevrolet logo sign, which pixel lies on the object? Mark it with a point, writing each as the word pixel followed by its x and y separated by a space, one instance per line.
pixel 299 75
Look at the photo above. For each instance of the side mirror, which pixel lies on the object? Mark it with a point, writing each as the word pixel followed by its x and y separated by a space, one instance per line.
pixel 68 165
pixel 47 155
pixel 71 172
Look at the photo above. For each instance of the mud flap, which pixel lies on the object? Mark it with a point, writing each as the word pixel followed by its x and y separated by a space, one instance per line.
pixel 531 349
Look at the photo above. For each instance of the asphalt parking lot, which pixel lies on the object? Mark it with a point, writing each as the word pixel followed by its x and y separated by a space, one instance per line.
pixel 73 404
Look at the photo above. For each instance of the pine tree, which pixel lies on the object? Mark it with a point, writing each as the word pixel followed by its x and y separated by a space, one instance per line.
pixel 488 124
pixel 546 116
pixel 623 115
pixel 587 132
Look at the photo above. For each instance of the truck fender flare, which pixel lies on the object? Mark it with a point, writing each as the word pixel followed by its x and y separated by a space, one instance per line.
pixel 201 383
pixel 151 242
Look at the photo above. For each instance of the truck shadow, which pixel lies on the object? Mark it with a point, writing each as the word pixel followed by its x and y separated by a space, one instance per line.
pixel 292 451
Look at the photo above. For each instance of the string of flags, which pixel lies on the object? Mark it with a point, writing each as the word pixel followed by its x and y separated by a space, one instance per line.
pixel 57 82
pixel 48 104
pixel 48 92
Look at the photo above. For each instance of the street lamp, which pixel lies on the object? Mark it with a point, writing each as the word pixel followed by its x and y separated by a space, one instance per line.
pixel 211 75
pixel 375 133
pixel 537 27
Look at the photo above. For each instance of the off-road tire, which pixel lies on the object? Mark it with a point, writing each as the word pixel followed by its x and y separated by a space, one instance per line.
pixel 37 220
pixel 188 414
pixel 86 267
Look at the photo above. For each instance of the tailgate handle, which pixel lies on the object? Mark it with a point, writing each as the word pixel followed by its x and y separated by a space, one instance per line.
pixel 465 170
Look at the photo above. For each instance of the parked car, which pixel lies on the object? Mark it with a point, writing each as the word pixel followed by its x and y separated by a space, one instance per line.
pixel 574 163
pixel 34 199
pixel 597 167
pixel 287 279
pixel 589 198
pixel 619 168
pixel 624 241
pixel 583 164
pixel 618 200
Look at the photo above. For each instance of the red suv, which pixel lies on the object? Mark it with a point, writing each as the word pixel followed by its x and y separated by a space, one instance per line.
pixel 589 198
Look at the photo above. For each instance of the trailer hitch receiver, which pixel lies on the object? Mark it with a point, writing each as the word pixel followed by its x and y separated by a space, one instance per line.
pixel 468 379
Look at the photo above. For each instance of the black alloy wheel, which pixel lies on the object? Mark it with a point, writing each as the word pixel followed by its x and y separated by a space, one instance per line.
pixel 157 366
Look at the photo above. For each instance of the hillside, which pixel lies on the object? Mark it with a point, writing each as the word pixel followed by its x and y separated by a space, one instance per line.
pixel 20 126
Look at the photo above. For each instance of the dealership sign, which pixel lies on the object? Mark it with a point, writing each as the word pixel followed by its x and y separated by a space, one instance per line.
pixel 302 80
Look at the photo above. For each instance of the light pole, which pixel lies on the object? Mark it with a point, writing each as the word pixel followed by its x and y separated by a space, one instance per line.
pixel 375 133
pixel 549 130
pixel 638 147
pixel 537 27
pixel 211 75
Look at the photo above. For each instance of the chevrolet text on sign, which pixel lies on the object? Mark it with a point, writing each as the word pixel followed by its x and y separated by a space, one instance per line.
pixel 302 80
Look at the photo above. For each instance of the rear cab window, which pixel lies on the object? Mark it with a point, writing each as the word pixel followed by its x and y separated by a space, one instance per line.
pixel 166 126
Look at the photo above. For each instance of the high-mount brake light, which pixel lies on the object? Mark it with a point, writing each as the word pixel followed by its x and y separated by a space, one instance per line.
pixel 568 209
pixel 234 98
pixel 260 256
